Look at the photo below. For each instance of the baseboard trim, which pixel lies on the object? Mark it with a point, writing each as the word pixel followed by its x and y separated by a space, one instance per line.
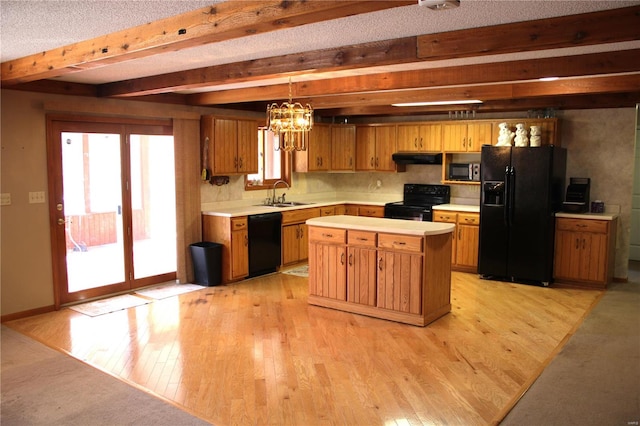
pixel 25 314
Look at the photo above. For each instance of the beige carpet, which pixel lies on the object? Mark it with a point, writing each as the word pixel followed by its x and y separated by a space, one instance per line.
pixel 595 379
pixel 41 386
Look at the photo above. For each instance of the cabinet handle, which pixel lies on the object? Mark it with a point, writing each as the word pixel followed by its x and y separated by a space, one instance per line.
pixel 342 258
pixel 464 142
pixel 246 241
pixel 584 243
pixel 351 259
pixel 240 164
pixel 377 162
pixel 297 233
pixel 350 161
pixel 581 225
pixel 577 243
pixel 301 232
pixel 327 235
pixel 420 142
pixel 371 161
pixel 469 142
pixel 380 263
pixel 235 162
pixel 459 233
pixel 400 243
pixel 415 142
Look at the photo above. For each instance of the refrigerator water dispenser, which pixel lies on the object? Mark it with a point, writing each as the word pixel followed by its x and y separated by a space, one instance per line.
pixel 494 193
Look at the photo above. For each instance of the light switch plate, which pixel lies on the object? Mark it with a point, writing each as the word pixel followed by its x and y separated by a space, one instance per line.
pixel 36 197
pixel 5 199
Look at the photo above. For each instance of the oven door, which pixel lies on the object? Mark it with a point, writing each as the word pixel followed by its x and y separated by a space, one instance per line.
pixel 417 213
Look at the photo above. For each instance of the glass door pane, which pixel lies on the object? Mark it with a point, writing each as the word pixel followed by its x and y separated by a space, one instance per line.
pixel 92 189
pixel 153 205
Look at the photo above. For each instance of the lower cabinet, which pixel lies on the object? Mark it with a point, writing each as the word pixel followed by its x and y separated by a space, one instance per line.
pixel 584 251
pixel 328 272
pixel 295 238
pixel 380 274
pixel 233 234
pixel 464 251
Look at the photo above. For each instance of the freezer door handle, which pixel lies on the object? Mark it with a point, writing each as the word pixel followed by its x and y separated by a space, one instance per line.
pixel 509 193
pixel 507 186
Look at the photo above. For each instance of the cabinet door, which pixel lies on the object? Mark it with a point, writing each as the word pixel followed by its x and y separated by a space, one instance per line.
pixel 319 148
pixel 478 134
pixel 467 245
pixel 385 137
pixel 247 146
pixel 239 254
pixel 365 147
pixel 290 244
pixel 399 281
pixel 431 137
pixel 361 276
pixel 224 157
pixel 343 142
pixel 567 255
pixel 449 217
pixel 454 137
pixel 593 257
pixel 328 273
pixel 408 138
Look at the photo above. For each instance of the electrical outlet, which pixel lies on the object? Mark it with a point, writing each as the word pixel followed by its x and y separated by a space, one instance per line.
pixel 36 197
pixel 5 199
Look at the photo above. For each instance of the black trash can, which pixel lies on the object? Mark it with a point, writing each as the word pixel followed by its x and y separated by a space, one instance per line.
pixel 207 262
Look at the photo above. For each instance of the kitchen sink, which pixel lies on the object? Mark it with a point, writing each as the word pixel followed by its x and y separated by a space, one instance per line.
pixel 285 204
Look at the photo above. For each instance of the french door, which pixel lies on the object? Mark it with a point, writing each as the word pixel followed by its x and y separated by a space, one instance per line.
pixel 112 206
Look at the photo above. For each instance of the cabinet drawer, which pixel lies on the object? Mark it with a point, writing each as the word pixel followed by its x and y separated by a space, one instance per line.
pixel 449 217
pixel 400 242
pixel 582 225
pixel 327 235
pixel 361 238
pixel 299 215
pixel 238 223
pixel 371 211
pixel 468 219
pixel 327 211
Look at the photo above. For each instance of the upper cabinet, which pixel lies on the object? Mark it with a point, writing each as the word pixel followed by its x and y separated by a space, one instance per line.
pixel 466 137
pixel 426 137
pixel 343 147
pixel 374 146
pixel 232 144
pixel 317 157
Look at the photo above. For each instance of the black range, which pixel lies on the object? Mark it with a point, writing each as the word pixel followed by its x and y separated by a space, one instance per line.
pixel 418 200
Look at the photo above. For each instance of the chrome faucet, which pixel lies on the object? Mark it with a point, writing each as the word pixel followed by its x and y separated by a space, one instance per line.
pixel 274 199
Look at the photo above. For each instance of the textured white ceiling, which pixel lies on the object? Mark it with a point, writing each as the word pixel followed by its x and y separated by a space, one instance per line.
pixel 29 27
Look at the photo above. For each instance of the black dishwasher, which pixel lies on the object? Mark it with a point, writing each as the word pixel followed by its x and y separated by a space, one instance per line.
pixel 264 243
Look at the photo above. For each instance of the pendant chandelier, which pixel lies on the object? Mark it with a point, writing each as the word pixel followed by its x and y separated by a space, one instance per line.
pixel 291 122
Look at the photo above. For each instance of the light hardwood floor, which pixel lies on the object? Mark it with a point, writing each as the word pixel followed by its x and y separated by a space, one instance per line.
pixel 254 352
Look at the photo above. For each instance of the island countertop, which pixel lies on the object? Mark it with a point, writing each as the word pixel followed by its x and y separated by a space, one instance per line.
pixel 376 224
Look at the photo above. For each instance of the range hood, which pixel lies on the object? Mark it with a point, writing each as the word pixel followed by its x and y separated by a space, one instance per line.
pixel 417 158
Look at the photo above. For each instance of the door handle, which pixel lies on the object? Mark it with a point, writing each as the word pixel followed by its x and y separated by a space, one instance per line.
pixel 62 221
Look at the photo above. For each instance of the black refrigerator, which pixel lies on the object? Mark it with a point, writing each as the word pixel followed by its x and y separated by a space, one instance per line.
pixel 521 189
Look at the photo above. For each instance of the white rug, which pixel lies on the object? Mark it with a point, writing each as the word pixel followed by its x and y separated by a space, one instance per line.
pixel 300 271
pixel 112 304
pixel 168 290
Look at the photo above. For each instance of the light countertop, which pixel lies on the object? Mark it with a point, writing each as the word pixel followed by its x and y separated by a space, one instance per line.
pixel 457 207
pixel 592 216
pixel 255 208
pixel 376 224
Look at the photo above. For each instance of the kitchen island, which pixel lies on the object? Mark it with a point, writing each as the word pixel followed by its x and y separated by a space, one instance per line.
pixel 398 270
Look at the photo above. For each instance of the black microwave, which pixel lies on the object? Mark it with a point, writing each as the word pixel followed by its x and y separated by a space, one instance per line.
pixel 469 172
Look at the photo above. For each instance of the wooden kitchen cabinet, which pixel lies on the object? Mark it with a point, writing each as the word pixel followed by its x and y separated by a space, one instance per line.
pixel 295 238
pixel 466 137
pixel 328 272
pixel 361 267
pixel 400 265
pixel 465 243
pixel 232 234
pixel 374 147
pixel 232 143
pixel 584 251
pixel 317 157
pixel 425 137
pixel 371 211
pixel 343 147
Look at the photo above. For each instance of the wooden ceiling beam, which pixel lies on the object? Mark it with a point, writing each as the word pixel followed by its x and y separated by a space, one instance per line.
pixel 600 100
pixel 570 66
pixel 488 92
pixel 584 29
pixel 219 22
pixel 398 51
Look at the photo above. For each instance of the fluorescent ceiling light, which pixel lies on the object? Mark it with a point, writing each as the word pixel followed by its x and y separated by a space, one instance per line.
pixel 548 78
pixel 460 102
